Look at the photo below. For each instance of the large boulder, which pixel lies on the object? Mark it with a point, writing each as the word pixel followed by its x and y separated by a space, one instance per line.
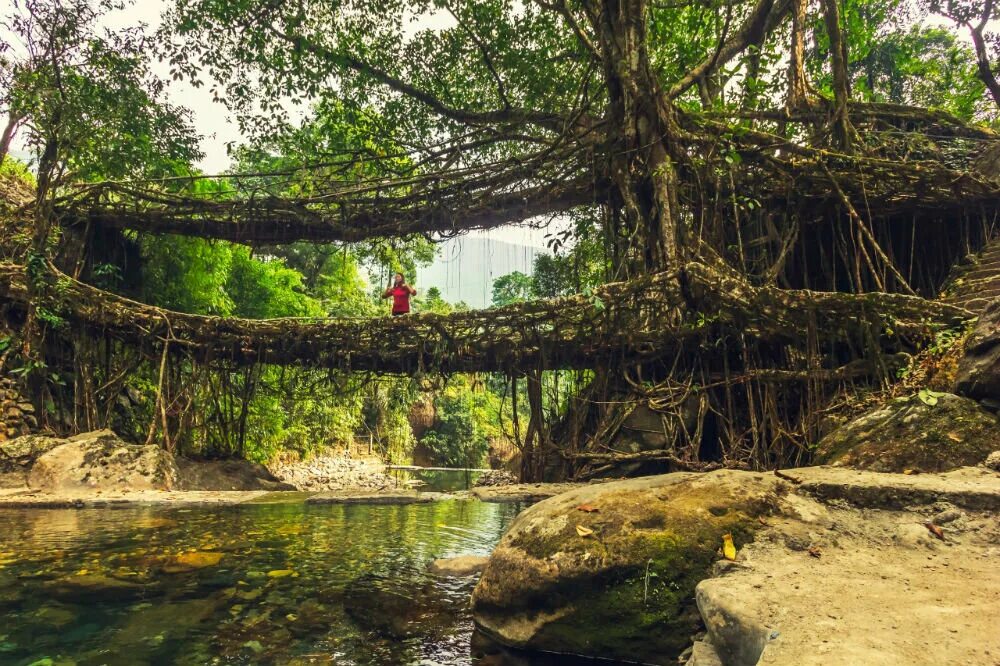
pixel 21 452
pixel 979 369
pixel 933 432
pixel 101 461
pixel 226 475
pixel 610 570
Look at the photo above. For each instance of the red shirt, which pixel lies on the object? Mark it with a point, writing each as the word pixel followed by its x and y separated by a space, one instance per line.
pixel 400 299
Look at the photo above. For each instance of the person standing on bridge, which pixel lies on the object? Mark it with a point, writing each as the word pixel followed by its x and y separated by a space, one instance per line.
pixel 400 293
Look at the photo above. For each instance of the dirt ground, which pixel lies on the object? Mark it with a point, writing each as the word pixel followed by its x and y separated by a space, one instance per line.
pixel 877 589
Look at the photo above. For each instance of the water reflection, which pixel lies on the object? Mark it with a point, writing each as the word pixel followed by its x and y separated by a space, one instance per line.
pixel 262 584
pixel 436 480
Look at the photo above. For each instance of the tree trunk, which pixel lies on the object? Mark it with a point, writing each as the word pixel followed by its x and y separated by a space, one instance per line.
pixel 33 336
pixel 983 67
pixel 841 85
pixel 798 86
pixel 642 163
pixel 8 136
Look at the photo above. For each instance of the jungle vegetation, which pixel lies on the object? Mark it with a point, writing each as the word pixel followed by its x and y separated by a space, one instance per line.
pixel 778 188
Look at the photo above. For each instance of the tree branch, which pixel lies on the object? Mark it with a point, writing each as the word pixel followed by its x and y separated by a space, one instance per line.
pixel 766 16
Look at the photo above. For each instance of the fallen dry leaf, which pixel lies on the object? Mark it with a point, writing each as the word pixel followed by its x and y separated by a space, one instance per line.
pixel 728 547
pixel 815 551
pixel 935 530
pixel 954 437
pixel 587 508
pixel 760 519
pixel 584 531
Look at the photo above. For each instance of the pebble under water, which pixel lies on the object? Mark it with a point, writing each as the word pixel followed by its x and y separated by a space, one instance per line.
pixel 251 584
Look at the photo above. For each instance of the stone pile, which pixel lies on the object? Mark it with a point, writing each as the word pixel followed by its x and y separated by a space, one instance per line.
pixel 496 477
pixel 18 415
pixel 333 473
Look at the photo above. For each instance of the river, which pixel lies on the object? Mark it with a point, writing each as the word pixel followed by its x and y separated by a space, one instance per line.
pixel 287 583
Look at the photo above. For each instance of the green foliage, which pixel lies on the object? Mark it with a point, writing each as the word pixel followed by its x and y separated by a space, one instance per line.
pixel 15 169
pixel 929 397
pixel 466 418
pixel 90 95
pixel 512 288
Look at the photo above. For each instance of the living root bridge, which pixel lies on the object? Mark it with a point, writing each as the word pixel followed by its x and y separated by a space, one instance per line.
pixel 642 319
pixel 919 162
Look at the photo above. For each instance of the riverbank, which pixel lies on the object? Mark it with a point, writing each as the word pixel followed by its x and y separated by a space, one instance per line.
pixel 825 566
pixel 811 587
pixel 23 497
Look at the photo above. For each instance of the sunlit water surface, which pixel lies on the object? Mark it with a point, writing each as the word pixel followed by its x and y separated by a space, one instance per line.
pixel 252 584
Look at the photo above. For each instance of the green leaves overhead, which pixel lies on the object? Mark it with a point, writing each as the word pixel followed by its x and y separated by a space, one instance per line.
pixel 426 67
pixel 89 92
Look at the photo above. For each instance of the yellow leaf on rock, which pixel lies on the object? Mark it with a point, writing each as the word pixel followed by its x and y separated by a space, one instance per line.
pixel 584 531
pixel 280 573
pixel 728 547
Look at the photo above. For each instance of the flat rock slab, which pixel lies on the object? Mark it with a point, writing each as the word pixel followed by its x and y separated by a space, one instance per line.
pixel 281 497
pixel 369 498
pixel 26 499
pixel 523 492
pixel 975 488
pixel 880 591
pixel 458 567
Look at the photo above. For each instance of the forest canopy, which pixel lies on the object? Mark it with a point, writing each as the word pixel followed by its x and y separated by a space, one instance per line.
pixel 711 166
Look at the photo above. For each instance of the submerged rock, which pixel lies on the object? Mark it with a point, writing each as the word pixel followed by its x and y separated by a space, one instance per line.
pixel 101 461
pixel 93 587
pixel 463 565
pixel 191 561
pixel 398 609
pixel 910 434
pixel 610 570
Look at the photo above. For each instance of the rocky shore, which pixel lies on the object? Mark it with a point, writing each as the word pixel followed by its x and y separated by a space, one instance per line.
pixel 99 462
pixel 828 565
pixel 815 566
pixel 323 473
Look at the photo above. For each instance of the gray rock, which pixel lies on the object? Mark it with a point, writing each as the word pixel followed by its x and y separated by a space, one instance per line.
pixel 226 475
pixel 703 653
pixel 909 434
pixel 101 461
pixel 496 477
pixel 521 492
pixel 993 461
pixel 457 567
pixel 21 452
pixel 979 369
pixel 614 579
pixel 736 636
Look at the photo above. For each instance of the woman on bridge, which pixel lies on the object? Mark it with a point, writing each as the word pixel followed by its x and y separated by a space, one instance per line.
pixel 400 293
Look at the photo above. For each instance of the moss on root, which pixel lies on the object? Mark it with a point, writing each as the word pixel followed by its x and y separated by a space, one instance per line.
pixel 907 433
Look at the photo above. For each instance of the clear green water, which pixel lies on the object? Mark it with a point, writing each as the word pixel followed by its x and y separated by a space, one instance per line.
pixel 439 481
pixel 252 584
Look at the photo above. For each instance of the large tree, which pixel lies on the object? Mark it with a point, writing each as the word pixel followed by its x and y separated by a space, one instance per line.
pixel 721 147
